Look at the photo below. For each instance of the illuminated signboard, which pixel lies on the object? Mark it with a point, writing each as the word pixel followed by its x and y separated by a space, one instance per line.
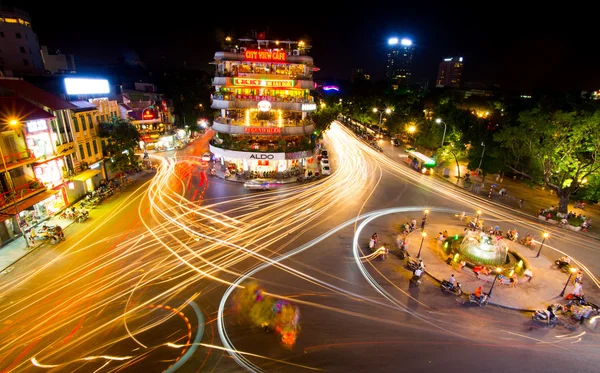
pixel 264 106
pixel 148 114
pixel 308 107
pixel 263 130
pixel 37 126
pixel 260 55
pixel 265 82
pixel 84 86
pixel 331 88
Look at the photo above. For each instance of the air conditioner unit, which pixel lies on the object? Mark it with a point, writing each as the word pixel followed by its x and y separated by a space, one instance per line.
pixel 242 49
pixel 296 52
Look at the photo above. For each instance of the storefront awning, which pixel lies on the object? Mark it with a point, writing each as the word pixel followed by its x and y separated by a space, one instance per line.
pixel 86 175
pixel 25 204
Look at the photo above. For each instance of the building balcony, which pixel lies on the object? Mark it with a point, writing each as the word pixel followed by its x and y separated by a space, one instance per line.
pixel 250 102
pixel 21 192
pixel 16 160
pixel 263 127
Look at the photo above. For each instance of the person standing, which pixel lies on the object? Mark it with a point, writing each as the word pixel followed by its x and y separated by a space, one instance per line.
pixel 521 202
pixel 577 289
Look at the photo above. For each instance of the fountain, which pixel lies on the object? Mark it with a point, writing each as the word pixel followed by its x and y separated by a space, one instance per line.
pixel 482 248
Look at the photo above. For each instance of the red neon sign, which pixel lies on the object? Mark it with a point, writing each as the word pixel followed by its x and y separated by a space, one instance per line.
pixel 261 55
pixel 148 114
pixel 263 130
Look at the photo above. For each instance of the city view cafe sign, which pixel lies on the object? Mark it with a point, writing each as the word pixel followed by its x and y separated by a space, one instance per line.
pixel 265 55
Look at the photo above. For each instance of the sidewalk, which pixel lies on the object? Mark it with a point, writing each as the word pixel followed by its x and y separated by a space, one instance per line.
pixel 535 197
pixel 544 288
pixel 13 252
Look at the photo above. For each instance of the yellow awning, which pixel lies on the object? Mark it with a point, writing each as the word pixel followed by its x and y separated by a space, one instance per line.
pixel 85 175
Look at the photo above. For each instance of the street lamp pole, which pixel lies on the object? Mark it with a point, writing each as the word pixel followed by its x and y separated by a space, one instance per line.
pixel 381 112
pixel 477 219
pixel 14 197
pixel 439 120
pixel 424 234
pixel 573 270
pixel 481 160
pixel 545 235
pixel 498 271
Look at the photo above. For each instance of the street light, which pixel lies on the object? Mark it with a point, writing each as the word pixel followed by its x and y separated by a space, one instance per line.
pixel 477 218
pixel 381 112
pixel 424 234
pixel 425 217
pixel 498 270
pixel 481 160
pixel 438 121
pixel 13 122
pixel 573 270
pixel 545 235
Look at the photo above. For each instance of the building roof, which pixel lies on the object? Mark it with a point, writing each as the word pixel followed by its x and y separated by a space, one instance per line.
pixel 83 106
pixel 22 110
pixel 126 107
pixel 32 93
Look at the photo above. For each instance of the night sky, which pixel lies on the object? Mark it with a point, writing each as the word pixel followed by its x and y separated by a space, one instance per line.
pixel 514 47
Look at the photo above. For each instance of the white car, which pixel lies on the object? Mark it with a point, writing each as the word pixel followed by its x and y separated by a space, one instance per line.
pixel 206 157
pixel 326 170
pixel 259 184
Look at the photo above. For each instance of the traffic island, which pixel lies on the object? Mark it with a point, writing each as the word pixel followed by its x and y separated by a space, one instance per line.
pixel 441 261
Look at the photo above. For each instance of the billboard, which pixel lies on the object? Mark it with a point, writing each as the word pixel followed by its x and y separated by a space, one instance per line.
pixel 86 86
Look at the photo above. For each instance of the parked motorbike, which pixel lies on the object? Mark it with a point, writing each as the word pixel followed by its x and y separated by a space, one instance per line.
pixel 544 317
pixel 449 288
pixel 480 301
pixel 53 234
pixel 81 215
pixel 580 301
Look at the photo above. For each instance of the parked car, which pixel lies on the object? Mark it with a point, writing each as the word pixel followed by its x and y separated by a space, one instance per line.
pixel 326 170
pixel 324 162
pixel 259 184
pixel 206 157
pixel 324 153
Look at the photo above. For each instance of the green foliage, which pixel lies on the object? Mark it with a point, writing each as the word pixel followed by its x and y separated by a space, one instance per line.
pixel 122 140
pixel 323 117
pixel 559 149
pixel 454 150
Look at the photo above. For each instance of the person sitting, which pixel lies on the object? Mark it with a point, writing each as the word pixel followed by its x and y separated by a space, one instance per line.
pixel 452 282
pixel 478 293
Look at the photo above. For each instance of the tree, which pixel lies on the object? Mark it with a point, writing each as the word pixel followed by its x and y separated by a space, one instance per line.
pixel 122 139
pixel 556 148
pixel 323 117
pixel 454 150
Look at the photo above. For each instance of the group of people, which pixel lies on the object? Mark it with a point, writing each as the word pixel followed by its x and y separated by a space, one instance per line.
pixel 45 232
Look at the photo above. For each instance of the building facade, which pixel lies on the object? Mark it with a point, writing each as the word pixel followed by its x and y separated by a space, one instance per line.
pixel 398 68
pixel 450 73
pixel 19 46
pixel 56 62
pixel 262 92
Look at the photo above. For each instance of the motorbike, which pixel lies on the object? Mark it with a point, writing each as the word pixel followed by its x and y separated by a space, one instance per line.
pixel 579 300
pixel 544 317
pixel 81 215
pixel 528 243
pixel 413 264
pixel 563 266
pixel 416 279
pixel 52 234
pixel 480 301
pixel 512 235
pixel 449 288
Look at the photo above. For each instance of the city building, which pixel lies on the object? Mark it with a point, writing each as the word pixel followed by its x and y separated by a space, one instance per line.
pixel 450 73
pixel 36 154
pixel 149 111
pixel 19 46
pixel 398 67
pixel 360 75
pixel 262 92
pixel 56 62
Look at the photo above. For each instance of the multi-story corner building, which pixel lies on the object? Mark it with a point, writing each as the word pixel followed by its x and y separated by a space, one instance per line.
pixel 19 46
pixel 262 92
pixel 35 139
pixel 398 68
pixel 450 73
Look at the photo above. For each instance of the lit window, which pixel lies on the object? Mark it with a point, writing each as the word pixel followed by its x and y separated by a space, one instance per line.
pixel 10 20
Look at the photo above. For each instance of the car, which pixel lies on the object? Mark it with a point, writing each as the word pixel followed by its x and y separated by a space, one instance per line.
pixel 324 153
pixel 206 157
pixel 259 184
pixel 326 170
pixel 395 142
pixel 324 162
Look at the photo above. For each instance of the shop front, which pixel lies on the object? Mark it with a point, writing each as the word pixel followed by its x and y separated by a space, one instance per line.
pixel 261 162
pixel 39 139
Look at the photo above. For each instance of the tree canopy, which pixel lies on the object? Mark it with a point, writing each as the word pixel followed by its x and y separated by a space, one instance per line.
pixel 556 148
pixel 122 139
